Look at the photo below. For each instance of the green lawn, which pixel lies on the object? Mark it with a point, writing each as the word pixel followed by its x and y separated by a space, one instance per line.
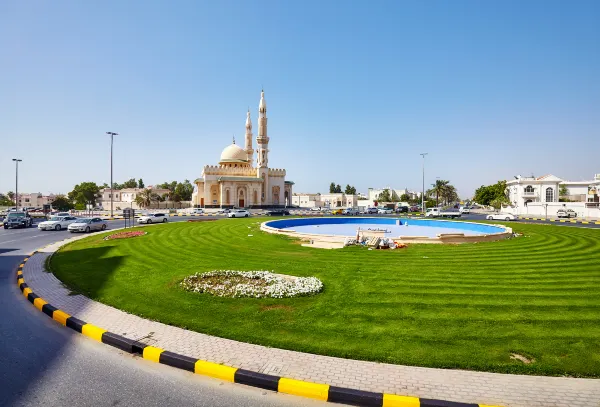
pixel 466 306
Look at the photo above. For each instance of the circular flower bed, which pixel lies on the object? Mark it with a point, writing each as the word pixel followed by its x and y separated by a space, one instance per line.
pixel 254 284
pixel 125 235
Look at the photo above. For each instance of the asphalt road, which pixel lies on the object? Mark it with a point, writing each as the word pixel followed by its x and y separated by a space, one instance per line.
pixel 44 364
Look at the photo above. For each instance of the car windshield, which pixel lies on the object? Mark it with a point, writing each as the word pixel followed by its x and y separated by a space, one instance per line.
pixel 15 215
pixel 55 218
pixel 84 221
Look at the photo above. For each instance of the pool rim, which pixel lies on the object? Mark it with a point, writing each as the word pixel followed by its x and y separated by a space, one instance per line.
pixel 441 238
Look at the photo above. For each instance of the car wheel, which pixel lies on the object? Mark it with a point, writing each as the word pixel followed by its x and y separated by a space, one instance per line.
pixel 5 227
pixel 149 221
pixel 507 219
pixel 57 228
pixel 87 229
pixel 489 218
pixel 246 216
pixel 165 220
pixel 103 227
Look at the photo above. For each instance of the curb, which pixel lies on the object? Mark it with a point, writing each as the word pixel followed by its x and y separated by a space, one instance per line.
pixel 301 388
pixel 583 222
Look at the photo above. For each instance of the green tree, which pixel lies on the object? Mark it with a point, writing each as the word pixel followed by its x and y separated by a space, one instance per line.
pixel 350 190
pixel 11 195
pixel 338 189
pixel 485 194
pixel 105 186
pixel 563 190
pixel 86 193
pixel 140 183
pixel 145 198
pixel 405 198
pixel 130 183
pixel 6 201
pixel 384 196
pixel 62 203
pixel 185 190
pixel 332 188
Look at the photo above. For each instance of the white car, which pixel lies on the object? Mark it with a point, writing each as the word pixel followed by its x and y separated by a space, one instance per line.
pixel 57 223
pixel 153 218
pixel 500 216
pixel 385 211
pixel 238 213
pixel 197 211
pixel 87 225
pixel 316 209
pixel 465 210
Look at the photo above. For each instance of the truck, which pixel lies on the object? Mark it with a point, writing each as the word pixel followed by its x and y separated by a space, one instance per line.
pixel 443 213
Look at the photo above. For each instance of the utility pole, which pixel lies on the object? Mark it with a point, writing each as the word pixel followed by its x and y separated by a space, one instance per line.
pixel 17 161
pixel 111 134
pixel 423 209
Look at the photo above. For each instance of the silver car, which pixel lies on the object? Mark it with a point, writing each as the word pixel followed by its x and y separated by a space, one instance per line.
pixel 87 225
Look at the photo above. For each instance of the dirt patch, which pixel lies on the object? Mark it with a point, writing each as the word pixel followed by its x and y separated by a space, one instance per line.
pixel 276 307
pixel 522 358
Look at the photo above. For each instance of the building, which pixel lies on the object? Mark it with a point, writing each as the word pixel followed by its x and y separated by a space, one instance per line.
pixel 236 182
pixel 332 200
pixel 125 197
pixel 542 196
pixel 374 193
pixel 34 200
pixel 307 200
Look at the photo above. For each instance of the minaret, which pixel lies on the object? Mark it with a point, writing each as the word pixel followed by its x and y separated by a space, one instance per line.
pixel 263 149
pixel 249 149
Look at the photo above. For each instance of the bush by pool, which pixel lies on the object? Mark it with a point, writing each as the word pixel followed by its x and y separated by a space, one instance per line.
pixel 466 306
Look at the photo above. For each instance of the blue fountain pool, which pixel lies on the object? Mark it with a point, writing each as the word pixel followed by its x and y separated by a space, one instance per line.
pixel 348 226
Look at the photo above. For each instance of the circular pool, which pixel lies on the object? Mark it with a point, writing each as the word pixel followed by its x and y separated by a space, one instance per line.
pixel 336 229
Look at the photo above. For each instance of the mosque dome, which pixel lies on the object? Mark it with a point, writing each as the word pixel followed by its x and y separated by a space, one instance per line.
pixel 234 154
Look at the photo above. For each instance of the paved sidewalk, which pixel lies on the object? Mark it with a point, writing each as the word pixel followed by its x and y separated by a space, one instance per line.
pixel 457 385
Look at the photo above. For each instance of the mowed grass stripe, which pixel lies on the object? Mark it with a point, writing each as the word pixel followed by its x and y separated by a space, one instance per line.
pixel 466 306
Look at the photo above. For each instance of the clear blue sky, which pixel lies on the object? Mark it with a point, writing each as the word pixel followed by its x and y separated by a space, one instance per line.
pixel 355 90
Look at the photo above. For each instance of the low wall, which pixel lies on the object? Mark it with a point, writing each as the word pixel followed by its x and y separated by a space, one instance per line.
pixel 540 209
pixel 275 226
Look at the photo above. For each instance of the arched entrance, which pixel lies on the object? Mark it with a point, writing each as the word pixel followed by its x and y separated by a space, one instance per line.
pixel 241 197
pixel 287 197
pixel 255 198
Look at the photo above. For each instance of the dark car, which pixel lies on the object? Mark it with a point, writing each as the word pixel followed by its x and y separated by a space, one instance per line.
pixel 278 212
pixel 402 209
pixel 17 220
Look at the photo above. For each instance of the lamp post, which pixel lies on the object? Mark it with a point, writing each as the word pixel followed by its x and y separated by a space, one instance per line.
pixel 111 134
pixel 423 209
pixel 17 161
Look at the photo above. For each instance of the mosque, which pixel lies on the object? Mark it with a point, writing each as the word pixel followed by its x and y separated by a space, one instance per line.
pixel 236 182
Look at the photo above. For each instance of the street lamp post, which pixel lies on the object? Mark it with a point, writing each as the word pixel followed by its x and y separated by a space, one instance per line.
pixel 423 209
pixel 111 134
pixel 17 161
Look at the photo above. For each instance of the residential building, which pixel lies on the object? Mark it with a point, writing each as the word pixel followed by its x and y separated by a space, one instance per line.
pixel 333 200
pixel 34 200
pixel 541 195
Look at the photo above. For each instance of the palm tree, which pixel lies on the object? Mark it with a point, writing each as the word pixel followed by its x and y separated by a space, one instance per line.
pixel 139 201
pixel 145 198
pixel 439 188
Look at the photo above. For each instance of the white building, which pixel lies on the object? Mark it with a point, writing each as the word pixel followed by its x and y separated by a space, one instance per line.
pixel 333 200
pixel 236 181
pixel 125 197
pixel 394 193
pixel 541 196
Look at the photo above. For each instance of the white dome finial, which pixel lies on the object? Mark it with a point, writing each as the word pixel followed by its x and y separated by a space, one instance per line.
pixel 248 120
pixel 263 104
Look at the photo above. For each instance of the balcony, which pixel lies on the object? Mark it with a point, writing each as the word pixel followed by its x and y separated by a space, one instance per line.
pixel 527 194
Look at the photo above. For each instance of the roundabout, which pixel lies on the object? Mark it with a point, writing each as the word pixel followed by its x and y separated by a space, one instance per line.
pixel 235 353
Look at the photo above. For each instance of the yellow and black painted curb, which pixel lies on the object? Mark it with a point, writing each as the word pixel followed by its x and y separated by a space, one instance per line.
pixel 582 222
pixel 318 391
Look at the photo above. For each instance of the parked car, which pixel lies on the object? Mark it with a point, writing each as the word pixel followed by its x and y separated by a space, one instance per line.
pixel 370 211
pixel 224 211
pixel 317 209
pixel 278 212
pixel 57 223
pixel 197 211
pixel 87 225
pixel 500 216
pixel 465 210
pixel 402 209
pixel 238 213
pixel 17 220
pixel 350 211
pixel 414 208
pixel 153 218
pixel 337 211
pixel 385 211
pixel 566 213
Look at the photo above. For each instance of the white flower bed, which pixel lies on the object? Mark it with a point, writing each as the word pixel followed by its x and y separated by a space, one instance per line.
pixel 254 284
